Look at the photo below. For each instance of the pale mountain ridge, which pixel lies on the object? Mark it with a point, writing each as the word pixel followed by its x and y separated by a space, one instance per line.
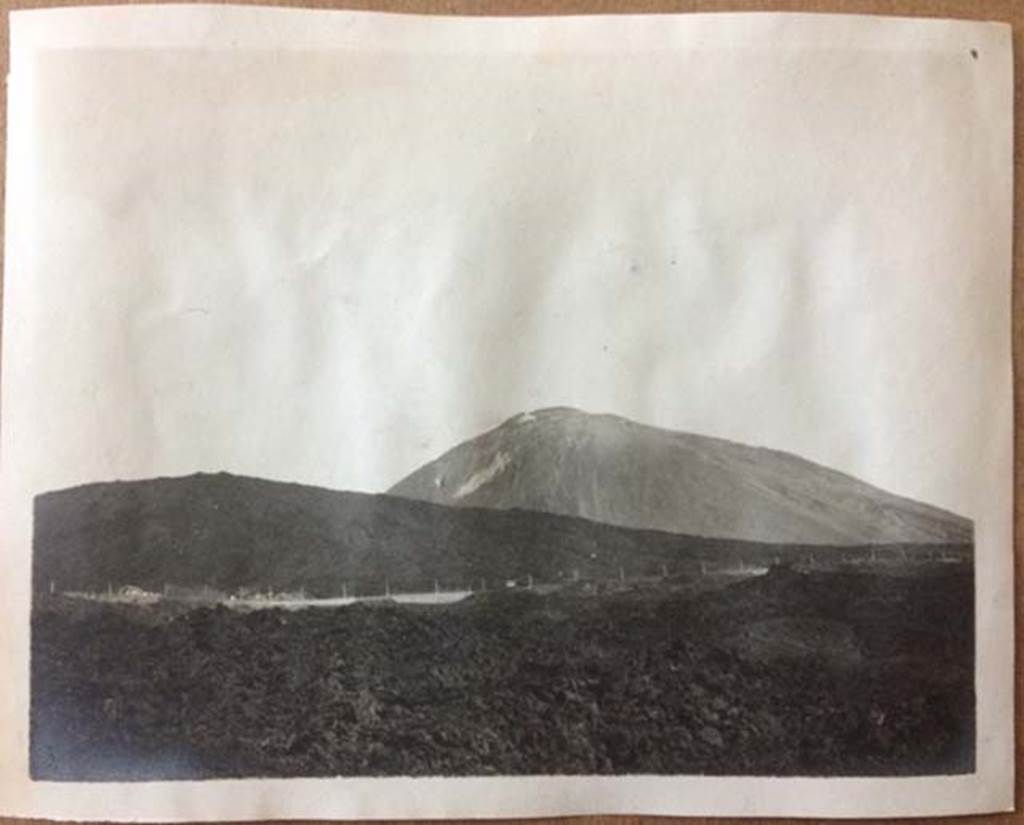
pixel 612 470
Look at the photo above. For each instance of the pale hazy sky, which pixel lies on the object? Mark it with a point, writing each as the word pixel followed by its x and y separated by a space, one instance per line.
pixel 329 267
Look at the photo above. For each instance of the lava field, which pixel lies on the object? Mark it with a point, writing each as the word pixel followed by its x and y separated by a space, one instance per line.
pixel 789 673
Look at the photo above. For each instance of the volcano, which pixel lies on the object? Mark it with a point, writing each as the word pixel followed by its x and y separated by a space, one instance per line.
pixel 609 469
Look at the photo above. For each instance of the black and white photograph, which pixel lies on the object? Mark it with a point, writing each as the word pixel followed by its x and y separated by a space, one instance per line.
pixel 566 593
pixel 411 417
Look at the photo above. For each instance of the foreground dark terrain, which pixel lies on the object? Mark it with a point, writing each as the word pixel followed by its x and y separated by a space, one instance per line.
pixel 789 673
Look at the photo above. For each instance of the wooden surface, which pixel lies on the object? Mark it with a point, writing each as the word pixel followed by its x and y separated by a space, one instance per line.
pixel 1010 11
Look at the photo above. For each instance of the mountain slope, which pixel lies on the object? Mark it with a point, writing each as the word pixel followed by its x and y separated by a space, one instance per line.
pixel 612 470
pixel 229 532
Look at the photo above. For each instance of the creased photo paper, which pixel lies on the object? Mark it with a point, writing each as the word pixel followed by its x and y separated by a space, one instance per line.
pixel 461 417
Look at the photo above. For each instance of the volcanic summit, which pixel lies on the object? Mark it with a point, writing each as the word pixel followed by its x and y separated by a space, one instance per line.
pixel 612 470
